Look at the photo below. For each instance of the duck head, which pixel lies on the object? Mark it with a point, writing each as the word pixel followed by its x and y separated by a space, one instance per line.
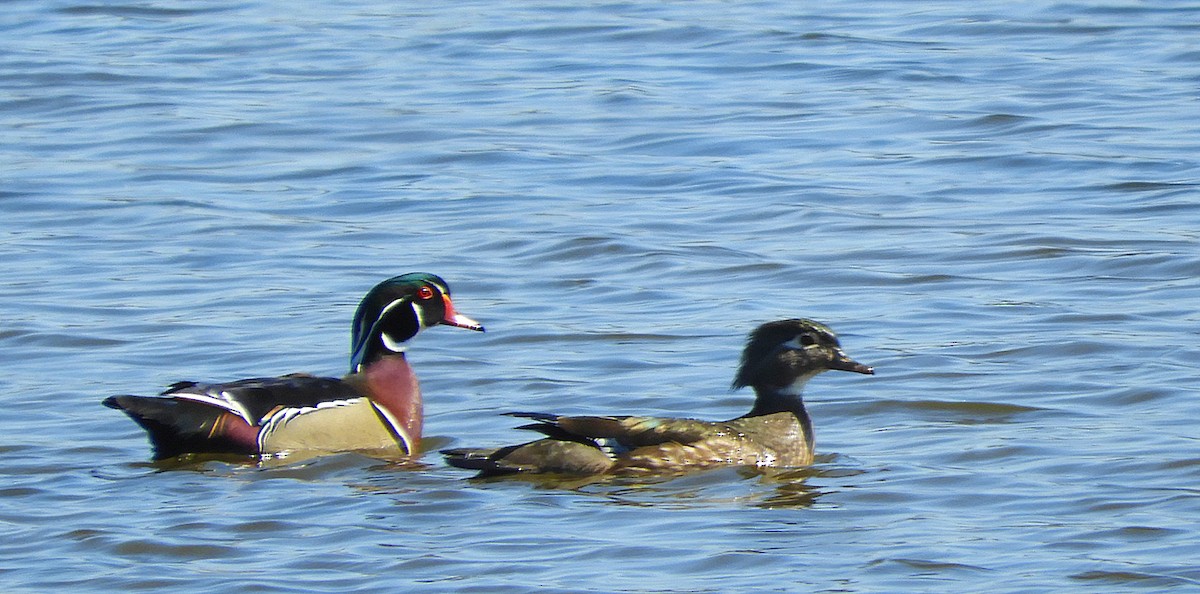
pixel 396 310
pixel 780 357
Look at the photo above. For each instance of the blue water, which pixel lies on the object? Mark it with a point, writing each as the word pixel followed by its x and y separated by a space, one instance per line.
pixel 995 204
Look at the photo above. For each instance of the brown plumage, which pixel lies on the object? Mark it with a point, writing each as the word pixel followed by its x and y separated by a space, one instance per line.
pixel 779 358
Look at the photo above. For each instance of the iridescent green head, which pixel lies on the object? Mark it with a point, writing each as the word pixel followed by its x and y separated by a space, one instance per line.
pixel 396 310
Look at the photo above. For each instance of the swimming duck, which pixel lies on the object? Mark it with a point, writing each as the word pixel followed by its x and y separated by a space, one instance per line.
pixel 376 407
pixel 779 358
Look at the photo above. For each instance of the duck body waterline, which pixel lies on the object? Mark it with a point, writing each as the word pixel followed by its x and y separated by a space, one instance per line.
pixel 778 360
pixel 376 407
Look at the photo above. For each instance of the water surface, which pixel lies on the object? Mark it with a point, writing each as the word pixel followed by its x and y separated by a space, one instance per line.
pixel 994 204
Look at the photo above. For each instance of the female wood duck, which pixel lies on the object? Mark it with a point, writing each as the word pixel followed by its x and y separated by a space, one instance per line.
pixel 376 407
pixel 778 359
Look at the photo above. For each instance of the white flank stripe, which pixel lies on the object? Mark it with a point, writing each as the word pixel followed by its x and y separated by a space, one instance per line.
pixel 396 426
pixel 283 416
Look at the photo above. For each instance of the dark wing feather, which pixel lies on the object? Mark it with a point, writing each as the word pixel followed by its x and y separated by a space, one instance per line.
pixel 257 397
pixel 541 456
pixel 630 432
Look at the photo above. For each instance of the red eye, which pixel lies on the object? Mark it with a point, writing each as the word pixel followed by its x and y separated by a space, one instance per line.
pixel 425 292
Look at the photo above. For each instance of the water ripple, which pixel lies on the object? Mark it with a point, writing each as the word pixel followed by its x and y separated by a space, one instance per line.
pixel 992 203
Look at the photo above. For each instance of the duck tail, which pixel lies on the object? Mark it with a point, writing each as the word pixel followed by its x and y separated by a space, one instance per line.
pixel 177 426
pixel 488 461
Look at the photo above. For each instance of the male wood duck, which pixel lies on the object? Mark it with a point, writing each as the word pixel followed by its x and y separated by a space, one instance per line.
pixel 376 407
pixel 779 358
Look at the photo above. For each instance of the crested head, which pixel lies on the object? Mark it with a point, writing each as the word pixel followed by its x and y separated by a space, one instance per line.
pixel 781 356
pixel 396 310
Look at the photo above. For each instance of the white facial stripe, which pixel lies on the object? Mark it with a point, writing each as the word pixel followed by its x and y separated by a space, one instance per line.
pixel 392 345
pixel 383 312
pixel 417 312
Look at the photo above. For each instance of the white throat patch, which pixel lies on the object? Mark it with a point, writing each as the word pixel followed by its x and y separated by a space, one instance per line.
pixel 392 345
pixel 797 387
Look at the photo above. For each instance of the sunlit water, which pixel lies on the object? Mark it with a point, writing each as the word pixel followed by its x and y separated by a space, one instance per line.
pixel 994 204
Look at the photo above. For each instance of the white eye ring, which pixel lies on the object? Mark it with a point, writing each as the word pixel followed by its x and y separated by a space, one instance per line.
pixel 797 342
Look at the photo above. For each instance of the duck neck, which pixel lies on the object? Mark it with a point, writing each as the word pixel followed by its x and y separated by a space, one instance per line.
pixel 769 401
pixel 772 400
pixel 394 389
